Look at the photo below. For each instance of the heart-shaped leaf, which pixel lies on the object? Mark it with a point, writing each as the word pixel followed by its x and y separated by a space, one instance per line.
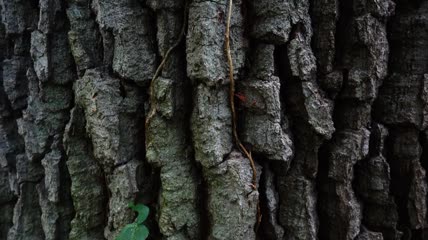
pixel 127 232
pixel 142 210
pixel 133 231
pixel 136 230
pixel 141 232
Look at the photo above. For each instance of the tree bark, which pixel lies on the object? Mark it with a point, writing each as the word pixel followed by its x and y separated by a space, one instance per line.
pixel 107 102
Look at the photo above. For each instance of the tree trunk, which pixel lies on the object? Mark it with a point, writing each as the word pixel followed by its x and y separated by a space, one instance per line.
pixel 107 102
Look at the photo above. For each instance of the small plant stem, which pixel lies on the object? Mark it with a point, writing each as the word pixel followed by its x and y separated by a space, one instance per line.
pixel 153 108
pixel 233 110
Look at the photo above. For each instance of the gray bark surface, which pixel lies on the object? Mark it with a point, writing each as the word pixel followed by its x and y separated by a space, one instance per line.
pixel 331 101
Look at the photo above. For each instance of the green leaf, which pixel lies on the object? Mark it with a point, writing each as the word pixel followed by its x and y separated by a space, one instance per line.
pixel 127 232
pixel 141 233
pixel 142 210
pixel 136 230
pixel 133 231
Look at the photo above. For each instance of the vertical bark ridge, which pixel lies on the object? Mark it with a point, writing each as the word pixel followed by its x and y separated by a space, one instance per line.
pixel 364 61
pixel 7 151
pixel 310 122
pixel 42 166
pixel 232 204
pixel 406 82
pixel 167 139
pixel 112 44
pixel 88 187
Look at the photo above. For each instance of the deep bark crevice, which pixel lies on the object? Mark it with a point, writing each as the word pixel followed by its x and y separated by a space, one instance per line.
pixel 205 224
pixel 321 180
pixel 342 31
pixel 399 181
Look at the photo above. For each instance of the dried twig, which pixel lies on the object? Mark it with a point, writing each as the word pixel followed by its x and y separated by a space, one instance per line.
pixel 233 110
pixel 232 94
pixel 153 108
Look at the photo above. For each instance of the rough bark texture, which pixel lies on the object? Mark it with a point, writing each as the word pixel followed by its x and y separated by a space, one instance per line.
pixel 331 98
